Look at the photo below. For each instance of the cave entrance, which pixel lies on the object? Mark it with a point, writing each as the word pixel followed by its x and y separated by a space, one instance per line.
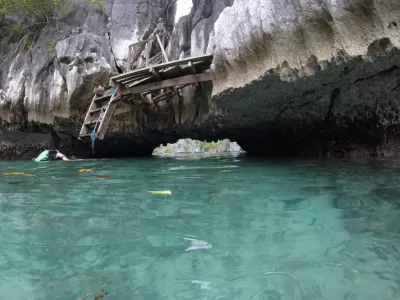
pixel 189 146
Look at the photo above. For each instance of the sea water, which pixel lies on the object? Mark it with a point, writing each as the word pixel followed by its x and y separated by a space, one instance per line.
pixel 232 228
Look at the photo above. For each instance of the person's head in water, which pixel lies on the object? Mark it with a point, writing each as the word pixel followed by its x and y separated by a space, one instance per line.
pixel 61 156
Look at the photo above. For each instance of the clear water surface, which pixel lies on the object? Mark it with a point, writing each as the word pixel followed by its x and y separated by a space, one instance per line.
pixel 233 228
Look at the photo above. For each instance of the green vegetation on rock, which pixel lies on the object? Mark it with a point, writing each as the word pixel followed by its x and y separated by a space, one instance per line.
pixel 33 15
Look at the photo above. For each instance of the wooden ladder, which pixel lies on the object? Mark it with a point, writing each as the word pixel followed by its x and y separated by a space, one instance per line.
pixel 99 114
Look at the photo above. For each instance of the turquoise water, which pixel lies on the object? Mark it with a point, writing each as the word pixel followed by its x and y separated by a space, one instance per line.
pixel 233 228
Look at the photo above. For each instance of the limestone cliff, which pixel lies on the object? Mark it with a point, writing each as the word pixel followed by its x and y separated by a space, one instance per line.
pixel 45 91
pixel 309 77
pixel 289 78
pixel 193 146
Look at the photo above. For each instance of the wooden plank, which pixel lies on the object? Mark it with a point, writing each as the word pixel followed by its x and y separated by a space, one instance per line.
pixel 129 58
pixel 162 95
pixel 144 80
pixel 155 73
pixel 95 110
pixel 103 126
pixel 102 99
pixel 85 130
pixel 149 45
pixel 162 99
pixel 144 41
pixel 183 85
pixel 88 123
pixel 161 66
pixel 192 67
pixel 162 48
pixel 168 83
pixel 131 79
pixel 183 61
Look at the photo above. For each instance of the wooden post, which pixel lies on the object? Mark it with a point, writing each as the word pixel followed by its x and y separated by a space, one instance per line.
pixel 168 83
pixel 162 48
pixel 149 45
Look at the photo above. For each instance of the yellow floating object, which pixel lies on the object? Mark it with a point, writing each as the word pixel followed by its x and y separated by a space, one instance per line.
pixel 160 192
pixel 18 173
pixel 84 170
pixel 103 177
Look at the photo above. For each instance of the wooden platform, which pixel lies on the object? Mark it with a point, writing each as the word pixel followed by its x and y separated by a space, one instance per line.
pixel 149 85
pixel 170 74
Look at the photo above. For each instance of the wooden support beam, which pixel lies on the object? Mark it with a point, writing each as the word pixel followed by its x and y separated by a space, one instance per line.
pixel 168 83
pixel 149 45
pixel 140 81
pixel 131 79
pixel 192 67
pixel 117 78
pixel 102 98
pixel 183 85
pixel 145 41
pixel 155 73
pixel 162 95
pixel 162 49
pixel 166 98
pixel 103 126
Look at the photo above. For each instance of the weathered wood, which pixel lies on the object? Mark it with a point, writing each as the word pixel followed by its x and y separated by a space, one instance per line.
pixel 136 82
pixel 145 41
pixel 155 73
pixel 84 129
pixel 115 79
pixel 149 45
pixel 101 99
pixel 103 126
pixel 168 83
pixel 129 58
pixel 162 95
pixel 129 80
pixel 162 48
pixel 192 67
pixel 183 85
pixel 95 110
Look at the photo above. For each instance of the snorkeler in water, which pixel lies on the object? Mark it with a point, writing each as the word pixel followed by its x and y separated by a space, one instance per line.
pixel 61 156
pixel 52 155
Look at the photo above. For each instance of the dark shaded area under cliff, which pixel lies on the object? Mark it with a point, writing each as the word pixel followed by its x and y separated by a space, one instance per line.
pixel 349 109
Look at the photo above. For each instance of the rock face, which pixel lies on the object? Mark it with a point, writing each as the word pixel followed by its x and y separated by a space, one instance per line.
pixel 309 78
pixel 193 146
pixel 289 78
pixel 44 92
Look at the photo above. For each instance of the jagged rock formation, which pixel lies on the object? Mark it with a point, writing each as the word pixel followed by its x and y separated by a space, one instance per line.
pixel 310 78
pixel 289 78
pixel 48 88
pixel 193 146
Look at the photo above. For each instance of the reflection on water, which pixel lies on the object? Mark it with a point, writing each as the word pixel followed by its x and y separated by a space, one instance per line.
pixel 263 230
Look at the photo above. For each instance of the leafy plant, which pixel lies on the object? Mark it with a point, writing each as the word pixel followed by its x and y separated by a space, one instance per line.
pixel 51 47
pixel 33 15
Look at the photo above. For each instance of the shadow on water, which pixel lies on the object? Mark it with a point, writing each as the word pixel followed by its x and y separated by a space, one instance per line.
pixel 232 227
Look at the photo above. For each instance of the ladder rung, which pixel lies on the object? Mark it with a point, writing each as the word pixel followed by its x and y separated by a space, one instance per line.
pixel 90 123
pixel 102 98
pixel 97 110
